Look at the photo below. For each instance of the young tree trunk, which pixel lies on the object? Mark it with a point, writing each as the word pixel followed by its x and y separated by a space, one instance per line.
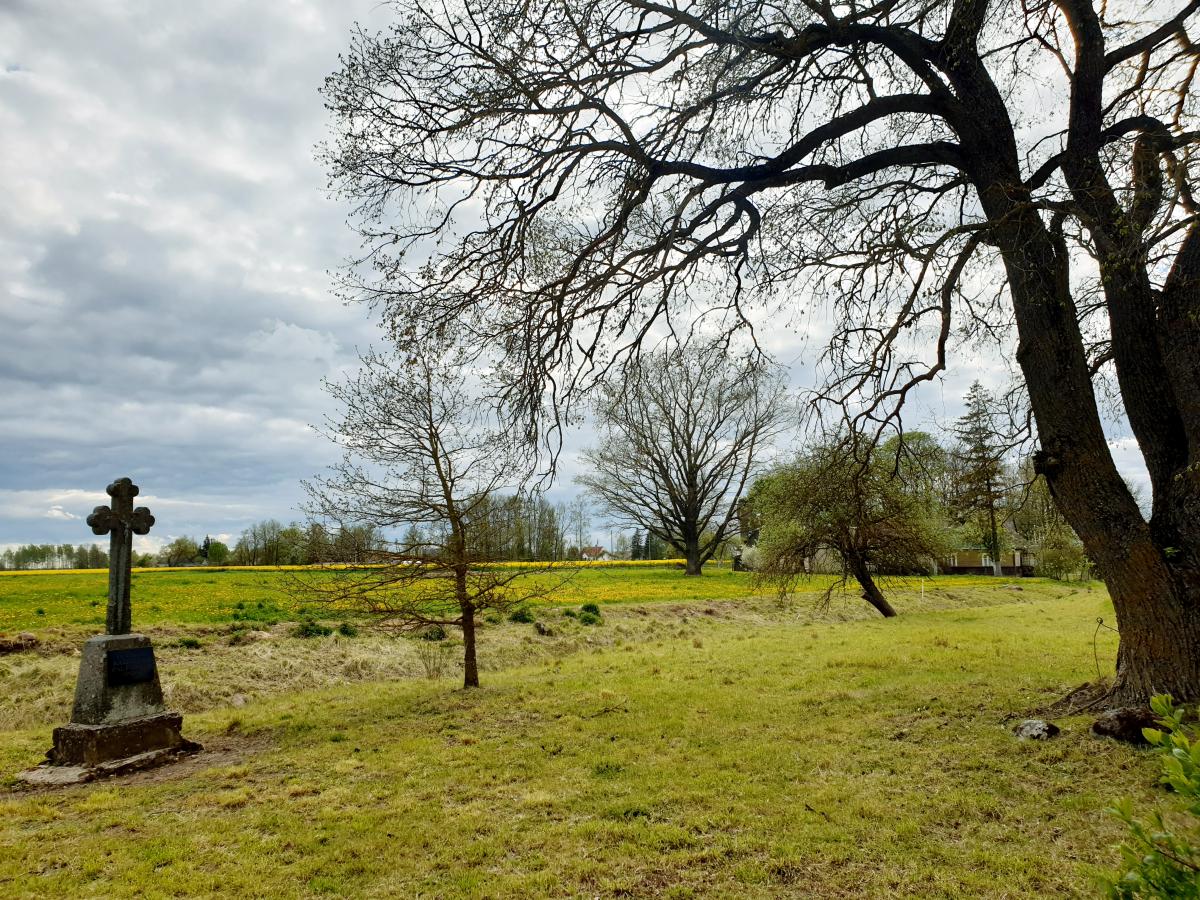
pixel 470 666
pixel 997 568
pixel 871 592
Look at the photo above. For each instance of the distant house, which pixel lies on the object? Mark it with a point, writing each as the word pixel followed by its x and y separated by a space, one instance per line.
pixel 1020 561
pixel 595 554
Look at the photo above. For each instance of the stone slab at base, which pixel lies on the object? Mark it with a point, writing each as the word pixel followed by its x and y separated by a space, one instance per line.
pixel 77 744
pixel 48 775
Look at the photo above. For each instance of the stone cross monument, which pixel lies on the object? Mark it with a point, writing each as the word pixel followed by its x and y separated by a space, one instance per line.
pixel 122 521
pixel 119 722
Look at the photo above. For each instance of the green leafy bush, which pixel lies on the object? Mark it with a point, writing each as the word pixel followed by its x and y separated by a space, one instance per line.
pixel 348 629
pixel 592 608
pixel 189 643
pixel 1161 858
pixel 570 613
pixel 308 627
pixel 589 618
pixel 521 615
pixel 432 633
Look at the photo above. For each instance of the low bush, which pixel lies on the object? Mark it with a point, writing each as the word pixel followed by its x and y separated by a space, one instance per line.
pixel 592 608
pixel 589 618
pixel 307 628
pixel 1161 857
pixel 521 615
pixel 348 629
pixel 436 659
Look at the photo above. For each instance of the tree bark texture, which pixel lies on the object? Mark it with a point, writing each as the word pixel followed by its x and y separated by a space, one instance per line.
pixel 871 592
pixel 470 665
pixel 1149 567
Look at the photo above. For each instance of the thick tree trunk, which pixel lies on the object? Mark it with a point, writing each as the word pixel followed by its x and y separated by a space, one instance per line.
pixel 1159 619
pixel 1157 601
pixel 470 666
pixel 692 558
pixel 871 592
pixel 1150 570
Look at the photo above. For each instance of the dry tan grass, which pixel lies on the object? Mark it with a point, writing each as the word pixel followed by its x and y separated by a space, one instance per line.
pixel 39 685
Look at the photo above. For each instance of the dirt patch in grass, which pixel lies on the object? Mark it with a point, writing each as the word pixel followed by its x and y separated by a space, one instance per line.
pixel 219 751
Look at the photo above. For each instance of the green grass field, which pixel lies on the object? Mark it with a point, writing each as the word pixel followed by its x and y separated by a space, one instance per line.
pixel 715 744
pixel 202 596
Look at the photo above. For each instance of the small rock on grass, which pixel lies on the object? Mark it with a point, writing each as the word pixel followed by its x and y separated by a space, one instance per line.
pixel 238 701
pixel 1125 724
pixel 1036 730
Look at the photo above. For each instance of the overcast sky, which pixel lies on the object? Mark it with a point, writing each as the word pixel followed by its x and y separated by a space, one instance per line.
pixel 165 239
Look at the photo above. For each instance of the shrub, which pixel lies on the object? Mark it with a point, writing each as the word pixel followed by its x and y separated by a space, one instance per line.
pixel 1160 859
pixel 435 659
pixel 189 643
pixel 589 618
pixel 521 615
pixel 309 627
pixel 432 633
pixel 570 613
pixel 592 608
pixel 348 629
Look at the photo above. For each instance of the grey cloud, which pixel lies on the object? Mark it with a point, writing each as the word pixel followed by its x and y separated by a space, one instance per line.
pixel 164 305
pixel 165 311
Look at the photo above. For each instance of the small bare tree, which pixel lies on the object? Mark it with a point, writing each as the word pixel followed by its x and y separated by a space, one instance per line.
pixel 681 434
pixel 420 459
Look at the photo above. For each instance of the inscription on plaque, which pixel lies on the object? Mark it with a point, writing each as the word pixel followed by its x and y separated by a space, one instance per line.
pixel 132 666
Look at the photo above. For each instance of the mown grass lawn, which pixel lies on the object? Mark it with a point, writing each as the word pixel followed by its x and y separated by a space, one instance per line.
pixel 720 757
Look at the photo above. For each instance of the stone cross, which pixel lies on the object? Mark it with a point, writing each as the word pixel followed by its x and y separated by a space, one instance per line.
pixel 123 522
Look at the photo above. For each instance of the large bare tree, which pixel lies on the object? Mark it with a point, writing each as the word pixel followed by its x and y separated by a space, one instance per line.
pixel 422 458
pixel 559 175
pixel 680 435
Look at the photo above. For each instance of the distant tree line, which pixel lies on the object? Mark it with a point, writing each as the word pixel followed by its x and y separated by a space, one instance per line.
pixel 54 556
pixel 521 527
pixel 271 543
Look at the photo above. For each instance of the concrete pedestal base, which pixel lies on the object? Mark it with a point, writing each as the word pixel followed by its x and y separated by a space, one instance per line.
pixel 91 745
pixel 119 723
